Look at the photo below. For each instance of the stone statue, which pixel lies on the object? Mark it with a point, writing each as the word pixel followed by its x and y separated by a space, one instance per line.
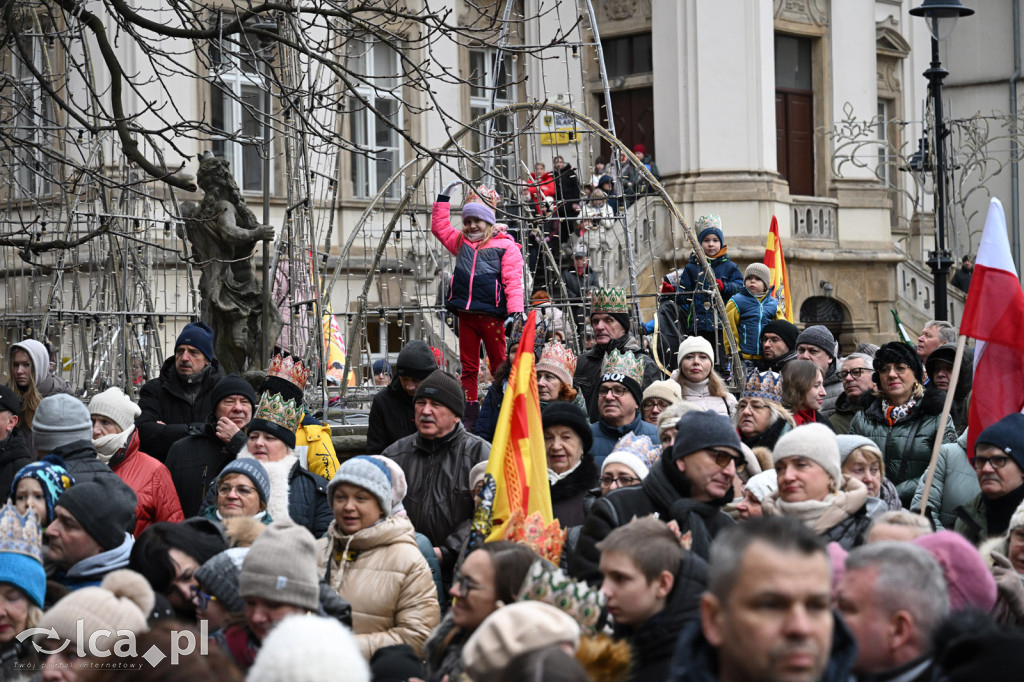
pixel 223 232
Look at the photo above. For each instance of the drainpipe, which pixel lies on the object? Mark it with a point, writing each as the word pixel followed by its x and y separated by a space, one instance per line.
pixel 1014 163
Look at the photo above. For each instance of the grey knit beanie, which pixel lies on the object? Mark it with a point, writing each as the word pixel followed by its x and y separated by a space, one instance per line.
pixel 700 430
pixel 815 442
pixel 60 419
pixel 219 578
pixel 251 469
pixel 367 473
pixel 820 336
pixel 281 567
pixel 761 271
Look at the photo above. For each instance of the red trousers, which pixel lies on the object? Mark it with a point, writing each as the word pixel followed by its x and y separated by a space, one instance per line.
pixel 474 328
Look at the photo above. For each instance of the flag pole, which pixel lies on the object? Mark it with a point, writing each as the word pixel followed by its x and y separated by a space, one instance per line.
pixel 943 418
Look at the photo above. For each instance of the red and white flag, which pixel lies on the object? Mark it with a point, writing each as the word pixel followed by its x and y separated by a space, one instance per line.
pixel 994 315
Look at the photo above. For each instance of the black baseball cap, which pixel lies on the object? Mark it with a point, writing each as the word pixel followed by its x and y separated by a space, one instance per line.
pixel 9 399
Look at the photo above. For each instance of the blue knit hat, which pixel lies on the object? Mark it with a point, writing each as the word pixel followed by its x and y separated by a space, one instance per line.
pixel 199 335
pixel 368 473
pixel 21 553
pixel 709 224
pixel 53 478
pixel 1007 434
pixel 251 469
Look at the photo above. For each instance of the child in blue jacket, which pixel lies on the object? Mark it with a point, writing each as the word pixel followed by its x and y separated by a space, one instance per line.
pixel 749 311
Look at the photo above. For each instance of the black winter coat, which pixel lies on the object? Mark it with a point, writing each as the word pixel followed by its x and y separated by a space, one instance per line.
pixel 195 462
pixel 653 643
pixel 588 370
pixel 14 455
pixel 665 492
pixel 439 498
pixel 568 494
pixel 164 400
pixel 391 417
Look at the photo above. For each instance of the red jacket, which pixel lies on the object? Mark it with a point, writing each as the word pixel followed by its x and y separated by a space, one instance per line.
pixel 545 187
pixel 151 481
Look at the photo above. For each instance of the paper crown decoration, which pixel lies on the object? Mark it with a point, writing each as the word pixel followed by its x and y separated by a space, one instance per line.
pixel 622 365
pixel 763 385
pixel 546 539
pixel 559 360
pixel 289 369
pixel 708 221
pixel 552 586
pixel 483 195
pixel 641 447
pixel 20 533
pixel 610 300
pixel 275 409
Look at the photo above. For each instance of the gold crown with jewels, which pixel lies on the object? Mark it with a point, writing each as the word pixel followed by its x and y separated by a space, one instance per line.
pixel 20 533
pixel 273 408
pixel 763 385
pixel 610 300
pixel 289 369
pixel 622 365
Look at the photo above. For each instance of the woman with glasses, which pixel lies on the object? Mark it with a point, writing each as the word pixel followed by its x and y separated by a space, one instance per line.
pixel 803 392
pixel 699 381
pixel 760 417
pixel 242 489
pixel 813 489
pixel 903 419
pixel 370 558
pixel 571 469
pixel 489 578
pixel 215 594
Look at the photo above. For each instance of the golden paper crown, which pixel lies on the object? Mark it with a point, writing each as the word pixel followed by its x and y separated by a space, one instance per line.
pixel 20 533
pixel 546 539
pixel 623 365
pixel 559 360
pixel 289 369
pixel 610 300
pixel 274 409
pixel 763 385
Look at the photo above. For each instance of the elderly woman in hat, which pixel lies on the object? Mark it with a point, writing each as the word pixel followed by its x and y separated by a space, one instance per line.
pixel 760 417
pixel 903 419
pixel 370 558
pixel 862 459
pixel 242 488
pixel 571 469
pixel 813 489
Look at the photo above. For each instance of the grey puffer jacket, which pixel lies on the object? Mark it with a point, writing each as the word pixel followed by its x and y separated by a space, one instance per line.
pixel 955 483
pixel 906 445
pixel 439 498
pixel 588 370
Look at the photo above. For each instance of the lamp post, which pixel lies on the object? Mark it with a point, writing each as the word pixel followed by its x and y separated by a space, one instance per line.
pixel 941 16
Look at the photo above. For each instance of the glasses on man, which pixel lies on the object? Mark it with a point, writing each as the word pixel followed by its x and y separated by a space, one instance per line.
pixel 724 457
pixel 241 490
pixel 997 462
pixel 463 585
pixel 617 391
pixel 622 481
pixel 201 599
pixel 856 373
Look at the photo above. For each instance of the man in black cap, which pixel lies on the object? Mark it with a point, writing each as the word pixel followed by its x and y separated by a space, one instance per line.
pixel 391 414
pixel 14 453
pixel 196 460
pixel 436 461
pixel 689 485
pixel 999 462
pixel 179 399
pixel 87 538
pixel 778 344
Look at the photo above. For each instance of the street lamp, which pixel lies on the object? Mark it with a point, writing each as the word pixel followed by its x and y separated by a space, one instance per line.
pixel 941 16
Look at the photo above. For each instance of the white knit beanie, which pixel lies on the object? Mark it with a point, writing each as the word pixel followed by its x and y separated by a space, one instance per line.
pixel 666 389
pixel 1017 520
pixel 115 405
pixel 695 344
pixel 637 452
pixel 763 484
pixel 815 442
pixel 307 648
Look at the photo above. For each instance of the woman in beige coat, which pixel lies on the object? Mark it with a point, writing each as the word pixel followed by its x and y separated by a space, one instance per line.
pixel 370 558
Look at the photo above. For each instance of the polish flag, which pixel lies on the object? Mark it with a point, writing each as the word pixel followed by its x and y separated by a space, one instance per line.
pixel 994 316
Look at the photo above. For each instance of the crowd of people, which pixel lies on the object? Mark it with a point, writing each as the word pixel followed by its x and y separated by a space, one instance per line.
pixel 771 534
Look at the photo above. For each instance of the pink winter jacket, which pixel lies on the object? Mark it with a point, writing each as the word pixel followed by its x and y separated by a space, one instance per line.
pixel 488 276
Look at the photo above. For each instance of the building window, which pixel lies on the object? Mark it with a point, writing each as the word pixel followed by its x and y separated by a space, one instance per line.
pixel 628 55
pixel 490 78
pixel 884 149
pixel 379 67
pixel 237 111
pixel 34 117
pixel 794 113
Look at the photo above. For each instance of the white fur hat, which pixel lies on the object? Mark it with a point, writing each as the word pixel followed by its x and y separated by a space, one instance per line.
pixel 295 651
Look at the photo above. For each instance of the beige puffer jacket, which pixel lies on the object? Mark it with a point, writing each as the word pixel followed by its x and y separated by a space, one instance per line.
pixel 387 582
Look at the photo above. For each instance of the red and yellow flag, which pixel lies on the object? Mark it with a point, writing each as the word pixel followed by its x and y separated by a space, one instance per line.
pixel 518 462
pixel 776 262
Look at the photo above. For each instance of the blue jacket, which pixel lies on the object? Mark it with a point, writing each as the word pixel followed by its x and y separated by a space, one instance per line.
pixel 695 317
pixel 605 436
pixel 754 314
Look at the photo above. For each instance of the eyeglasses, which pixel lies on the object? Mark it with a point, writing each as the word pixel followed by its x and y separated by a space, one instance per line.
pixel 622 481
pixel 655 403
pixel 201 599
pixel 752 404
pixel 856 373
pixel 463 585
pixel 242 490
pixel 617 391
pixel 997 462
pixel 724 457
pixel 898 366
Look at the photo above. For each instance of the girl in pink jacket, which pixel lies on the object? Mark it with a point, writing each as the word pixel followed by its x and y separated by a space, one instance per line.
pixel 487 285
